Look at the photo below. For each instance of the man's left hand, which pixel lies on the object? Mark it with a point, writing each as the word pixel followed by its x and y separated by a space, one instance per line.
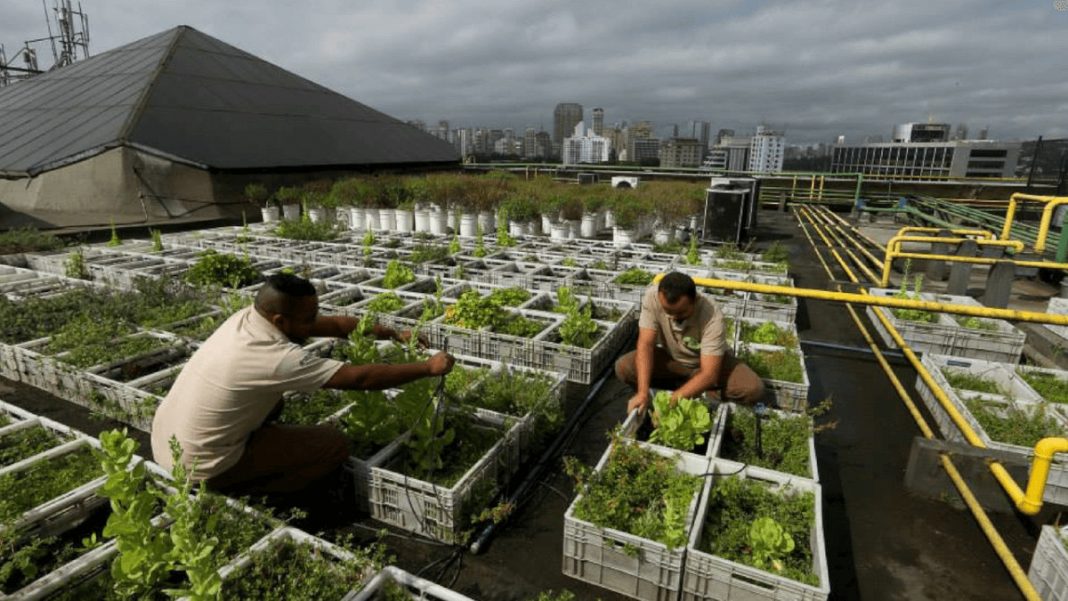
pixel 406 336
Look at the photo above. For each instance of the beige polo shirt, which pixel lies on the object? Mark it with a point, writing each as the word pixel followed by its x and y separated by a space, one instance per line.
pixel 701 334
pixel 227 389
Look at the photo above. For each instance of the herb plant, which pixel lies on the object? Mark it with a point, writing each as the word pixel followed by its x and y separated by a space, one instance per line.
pixel 1012 425
pixel 23 490
pixel 977 323
pixel 385 302
pixel 290 571
pixel 693 255
pixel 768 333
pixel 306 229
pixel 682 426
pixel 222 269
pixel 776 253
pixel 28 239
pixel 578 328
pixel 474 312
pixel 510 297
pixel 912 314
pixel 963 380
pixel 736 527
pixel 638 491
pixel 27 442
pixel 74 267
pixel 782 365
pixel 635 276
pixel 784 441
pixel 1050 387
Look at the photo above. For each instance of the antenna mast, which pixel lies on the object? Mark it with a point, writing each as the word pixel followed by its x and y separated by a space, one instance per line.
pixel 68 43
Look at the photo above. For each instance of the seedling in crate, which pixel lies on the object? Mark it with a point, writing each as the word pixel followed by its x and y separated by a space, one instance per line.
pixel 74 266
pixel 397 275
pixel 635 276
pixel 115 240
pixel 1050 387
pixel 157 240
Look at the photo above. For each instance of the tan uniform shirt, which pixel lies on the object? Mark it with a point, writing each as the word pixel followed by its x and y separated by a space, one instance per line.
pixel 228 387
pixel 701 334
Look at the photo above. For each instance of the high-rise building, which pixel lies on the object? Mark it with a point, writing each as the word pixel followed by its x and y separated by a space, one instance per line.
pixel 598 121
pixel 730 154
pixel 723 133
pixel 701 130
pixel 642 149
pixel 565 117
pixel 583 146
pixel 766 151
pixel 680 152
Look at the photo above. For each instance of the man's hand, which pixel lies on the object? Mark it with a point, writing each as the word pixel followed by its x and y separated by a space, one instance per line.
pixel 440 364
pixel 406 336
pixel 640 402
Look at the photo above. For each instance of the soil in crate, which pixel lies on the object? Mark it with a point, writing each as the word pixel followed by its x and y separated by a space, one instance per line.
pixel 25 489
pixel 311 409
pixel 784 441
pixel 16 446
pixel 470 444
pixel 289 570
pixel 734 504
pixel 23 562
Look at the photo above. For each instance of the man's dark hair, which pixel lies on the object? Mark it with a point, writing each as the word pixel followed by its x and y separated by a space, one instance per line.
pixel 676 285
pixel 280 291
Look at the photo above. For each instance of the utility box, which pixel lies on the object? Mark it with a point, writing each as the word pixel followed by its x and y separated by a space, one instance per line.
pixel 588 178
pixel 731 205
pixel 625 181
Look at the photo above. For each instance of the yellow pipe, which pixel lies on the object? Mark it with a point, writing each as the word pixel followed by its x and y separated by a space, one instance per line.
pixel 823 215
pixel 1047 217
pixel 857 232
pixel 812 188
pixel 986 235
pixel 1029 502
pixel 979 260
pixel 896 242
pixel 1002 550
pixel 821 187
pixel 1010 211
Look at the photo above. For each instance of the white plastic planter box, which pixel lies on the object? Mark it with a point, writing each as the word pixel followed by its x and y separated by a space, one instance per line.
pixel 1049 565
pixel 1004 343
pixel 581 365
pixel 1019 394
pixel 415 587
pixel 710 577
pixel 721 433
pixel 788 326
pixel 279 535
pixel 599 555
pixel 427 509
pixel 933 337
pixel 790 396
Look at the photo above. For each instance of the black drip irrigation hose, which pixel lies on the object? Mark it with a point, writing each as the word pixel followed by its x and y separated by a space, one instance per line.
pixel 482 540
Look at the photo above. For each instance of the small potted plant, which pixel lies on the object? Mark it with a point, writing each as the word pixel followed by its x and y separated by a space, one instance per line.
pixel 289 198
pixel 315 196
pixel 628 209
pixel 419 193
pixel 591 217
pixel 256 193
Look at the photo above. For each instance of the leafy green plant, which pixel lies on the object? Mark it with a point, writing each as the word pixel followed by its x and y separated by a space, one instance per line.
pixel 368 243
pixel 680 426
pixel 74 267
pixel 776 253
pixel 768 333
pixel 222 269
pixel 192 544
pixel 638 491
pixel 730 252
pixel 504 239
pixel 27 239
pixel 1050 387
pixel 578 328
pixel 23 490
pixel 385 302
pixel 397 275
pixel 474 311
pixel 157 240
pixel 306 229
pixel 429 253
pixel 1012 425
pixel 963 380
pixel 736 264
pixel 510 297
pixel 977 323
pixel 736 505
pixel 373 423
pixel 519 325
pixel 771 544
pixel 87 342
pixel 903 293
pixel 454 244
pixel 16 446
pixel 782 365
pixel 635 276
pixel 288 570
pixel 480 245
pixel 313 408
pixel 569 262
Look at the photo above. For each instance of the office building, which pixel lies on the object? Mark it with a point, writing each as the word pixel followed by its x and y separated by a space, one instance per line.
pixel 565 117
pixel 731 154
pixel 598 121
pixel 907 133
pixel 583 146
pixel 643 150
pixel 766 151
pixel 950 159
pixel 680 152
pixel 701 130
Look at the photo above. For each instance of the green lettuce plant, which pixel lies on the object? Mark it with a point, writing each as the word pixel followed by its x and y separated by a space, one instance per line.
pixel 770 542
pixel 682 426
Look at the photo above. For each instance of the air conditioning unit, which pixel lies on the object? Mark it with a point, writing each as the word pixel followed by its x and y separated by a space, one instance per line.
pixel 625 181
pixel 731 205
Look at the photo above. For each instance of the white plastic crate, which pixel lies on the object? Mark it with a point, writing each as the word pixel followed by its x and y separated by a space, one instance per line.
pixel 1020 394
pixel 708 577
pixel 359 469
pixel 790 396
pixel 724 422
pixel 414 587
pixel 580 365
pixel 433 511
pixel 1058 306
pixel 787 326
pixel 1004 343
pixel 600 555
pixel 1049 565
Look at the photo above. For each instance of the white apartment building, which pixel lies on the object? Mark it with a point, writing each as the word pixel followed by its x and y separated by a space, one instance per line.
pixel 766 150
pixel 585 147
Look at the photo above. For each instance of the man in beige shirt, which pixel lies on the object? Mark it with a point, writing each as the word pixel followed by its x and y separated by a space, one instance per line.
pixel 682 347
pixel 220 406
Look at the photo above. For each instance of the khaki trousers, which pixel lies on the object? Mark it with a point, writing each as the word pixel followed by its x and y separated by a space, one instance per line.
pixel 738 383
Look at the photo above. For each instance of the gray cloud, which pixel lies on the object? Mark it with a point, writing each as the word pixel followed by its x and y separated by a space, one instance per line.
pixel 818 68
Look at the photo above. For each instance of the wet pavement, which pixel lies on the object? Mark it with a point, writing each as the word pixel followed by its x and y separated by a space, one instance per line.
pixel 882 541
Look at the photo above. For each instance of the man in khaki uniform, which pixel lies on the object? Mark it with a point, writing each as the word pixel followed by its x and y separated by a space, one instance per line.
pixel 221 405
pixel 682 347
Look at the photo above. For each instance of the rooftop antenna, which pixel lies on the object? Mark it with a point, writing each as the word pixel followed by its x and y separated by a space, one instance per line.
pixel 68 43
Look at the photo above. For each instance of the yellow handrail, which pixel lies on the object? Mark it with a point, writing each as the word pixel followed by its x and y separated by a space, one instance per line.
pixel 1010 211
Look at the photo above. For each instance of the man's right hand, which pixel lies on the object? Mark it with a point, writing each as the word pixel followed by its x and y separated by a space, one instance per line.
pixel 440 364
pixel 640 402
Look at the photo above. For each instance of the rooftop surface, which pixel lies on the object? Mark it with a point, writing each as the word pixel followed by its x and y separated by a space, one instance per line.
pixel 883 542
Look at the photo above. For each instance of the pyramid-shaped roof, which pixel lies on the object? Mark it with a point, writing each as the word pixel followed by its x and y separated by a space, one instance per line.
pixel 187 96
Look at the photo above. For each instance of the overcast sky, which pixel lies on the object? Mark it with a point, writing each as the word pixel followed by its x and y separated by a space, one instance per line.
pixel 816 69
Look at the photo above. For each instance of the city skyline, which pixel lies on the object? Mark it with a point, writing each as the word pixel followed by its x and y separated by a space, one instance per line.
pixel 814 69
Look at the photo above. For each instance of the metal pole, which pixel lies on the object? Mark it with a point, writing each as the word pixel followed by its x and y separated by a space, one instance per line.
pixel 1034 162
